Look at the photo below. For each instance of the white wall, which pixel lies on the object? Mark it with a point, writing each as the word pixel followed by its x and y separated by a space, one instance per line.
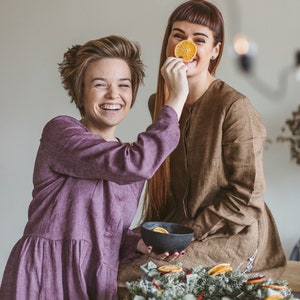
pixel 35 34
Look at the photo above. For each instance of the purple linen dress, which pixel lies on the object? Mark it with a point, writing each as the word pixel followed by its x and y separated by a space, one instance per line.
pixel 86 192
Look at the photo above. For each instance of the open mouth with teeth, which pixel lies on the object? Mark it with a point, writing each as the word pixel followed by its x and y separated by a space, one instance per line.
pixel 111 106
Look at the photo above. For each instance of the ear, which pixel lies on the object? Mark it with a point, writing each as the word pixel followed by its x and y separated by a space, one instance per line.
pixel 215 51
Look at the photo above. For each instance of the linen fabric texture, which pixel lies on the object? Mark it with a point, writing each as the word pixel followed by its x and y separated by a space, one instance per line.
pixel 217 185
pixel 86 193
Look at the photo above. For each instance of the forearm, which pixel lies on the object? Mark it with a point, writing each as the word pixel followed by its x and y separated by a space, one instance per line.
pixel 227 218
pixel 240 201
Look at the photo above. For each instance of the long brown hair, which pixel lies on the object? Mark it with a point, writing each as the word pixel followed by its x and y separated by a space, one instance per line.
pixel 158 192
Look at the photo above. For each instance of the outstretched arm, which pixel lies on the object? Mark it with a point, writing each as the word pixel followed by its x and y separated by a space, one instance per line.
pixel 174 73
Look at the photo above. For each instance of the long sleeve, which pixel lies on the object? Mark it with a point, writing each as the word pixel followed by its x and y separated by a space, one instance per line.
pixel 129 246
pixel 240 202
pixel 217 185
pixel 68 148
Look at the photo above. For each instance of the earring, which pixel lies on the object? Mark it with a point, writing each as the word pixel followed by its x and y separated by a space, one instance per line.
pixel 212 58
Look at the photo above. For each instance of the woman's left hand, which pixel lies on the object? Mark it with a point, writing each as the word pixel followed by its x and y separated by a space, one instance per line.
pixel 143 248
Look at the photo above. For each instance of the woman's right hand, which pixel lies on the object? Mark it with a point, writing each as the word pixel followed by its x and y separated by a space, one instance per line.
pixel 174 74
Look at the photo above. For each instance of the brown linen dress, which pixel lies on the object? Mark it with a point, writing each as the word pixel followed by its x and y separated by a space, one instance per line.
pixel 218 186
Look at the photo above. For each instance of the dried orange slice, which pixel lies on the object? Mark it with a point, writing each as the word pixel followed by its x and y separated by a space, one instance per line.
pixel 169 269
pixel 160 229
pixel 186 50
pixel 220 269
pixel 275 297
pixel 275 287
pixel 257 279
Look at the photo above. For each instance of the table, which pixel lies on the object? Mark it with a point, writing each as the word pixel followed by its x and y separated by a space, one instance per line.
pixel 292 275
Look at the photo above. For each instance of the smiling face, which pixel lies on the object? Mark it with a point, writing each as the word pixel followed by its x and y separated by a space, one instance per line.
pixel 203 37
pixel 107 96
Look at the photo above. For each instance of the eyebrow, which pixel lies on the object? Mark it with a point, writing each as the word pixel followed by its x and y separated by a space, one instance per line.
pixel 103 79
pixel 195 34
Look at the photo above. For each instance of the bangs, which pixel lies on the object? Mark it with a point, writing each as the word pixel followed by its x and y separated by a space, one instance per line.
pixel 203 13
pixel 198 14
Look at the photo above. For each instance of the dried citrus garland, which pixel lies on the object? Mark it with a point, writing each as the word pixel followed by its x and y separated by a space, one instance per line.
pixel 216 282
pixel 186 50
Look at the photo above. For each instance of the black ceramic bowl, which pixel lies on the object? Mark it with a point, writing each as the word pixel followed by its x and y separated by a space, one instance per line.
pixel 178 238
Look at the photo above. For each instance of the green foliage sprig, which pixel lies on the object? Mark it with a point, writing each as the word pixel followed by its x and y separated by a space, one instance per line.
pixel 197 284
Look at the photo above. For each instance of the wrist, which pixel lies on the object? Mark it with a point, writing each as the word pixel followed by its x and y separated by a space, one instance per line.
pixel 139 247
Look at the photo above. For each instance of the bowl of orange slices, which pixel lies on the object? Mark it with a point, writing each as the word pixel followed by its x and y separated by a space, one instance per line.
pixel 166 236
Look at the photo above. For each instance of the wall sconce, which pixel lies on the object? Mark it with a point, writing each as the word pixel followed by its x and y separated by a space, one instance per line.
pixel 246 51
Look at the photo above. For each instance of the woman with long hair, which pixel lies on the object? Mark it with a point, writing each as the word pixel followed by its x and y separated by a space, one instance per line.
pixel 213 181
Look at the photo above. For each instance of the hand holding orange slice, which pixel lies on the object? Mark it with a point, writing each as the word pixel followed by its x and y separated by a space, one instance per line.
pixel 186 50
pixel 160 229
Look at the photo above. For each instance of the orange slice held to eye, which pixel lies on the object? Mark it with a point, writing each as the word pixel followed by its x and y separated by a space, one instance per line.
pixel 160 229
pixel 186 50
pixel 219 269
